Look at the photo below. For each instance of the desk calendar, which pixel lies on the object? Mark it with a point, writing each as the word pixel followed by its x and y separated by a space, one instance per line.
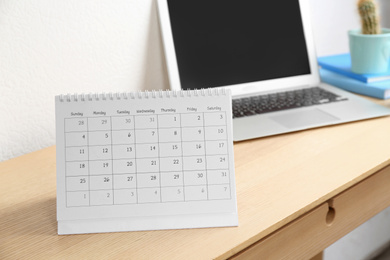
pixel 145 161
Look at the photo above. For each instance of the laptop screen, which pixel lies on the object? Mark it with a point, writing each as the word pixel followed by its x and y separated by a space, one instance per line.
pixel 228 42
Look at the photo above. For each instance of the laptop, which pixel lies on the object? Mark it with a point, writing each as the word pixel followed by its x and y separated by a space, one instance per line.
pixel 263 51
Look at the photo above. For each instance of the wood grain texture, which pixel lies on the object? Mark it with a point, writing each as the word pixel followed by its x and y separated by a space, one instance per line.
pixel 278 179
pixel 311 233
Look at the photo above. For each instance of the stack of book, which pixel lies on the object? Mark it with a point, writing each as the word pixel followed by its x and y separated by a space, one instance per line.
pixel 336 70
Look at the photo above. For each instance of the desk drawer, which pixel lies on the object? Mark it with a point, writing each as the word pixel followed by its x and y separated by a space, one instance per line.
pixel 311 233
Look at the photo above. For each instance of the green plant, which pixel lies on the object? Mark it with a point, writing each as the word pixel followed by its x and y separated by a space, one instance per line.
pixel 368 11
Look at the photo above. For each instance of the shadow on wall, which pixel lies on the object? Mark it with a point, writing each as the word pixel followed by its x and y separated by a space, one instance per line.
pixel 156 76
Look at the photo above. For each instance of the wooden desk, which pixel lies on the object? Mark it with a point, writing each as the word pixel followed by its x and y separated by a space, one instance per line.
pixel 297 194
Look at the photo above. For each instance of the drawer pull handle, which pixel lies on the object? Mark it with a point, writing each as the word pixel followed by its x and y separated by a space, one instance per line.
pixel 331 215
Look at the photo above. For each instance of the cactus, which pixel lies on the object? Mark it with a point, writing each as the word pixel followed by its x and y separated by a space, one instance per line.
pixel 369 17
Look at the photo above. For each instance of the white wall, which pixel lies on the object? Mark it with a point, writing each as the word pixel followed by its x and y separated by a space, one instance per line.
pixel 331 21
pixel 333 18
pixel 54 47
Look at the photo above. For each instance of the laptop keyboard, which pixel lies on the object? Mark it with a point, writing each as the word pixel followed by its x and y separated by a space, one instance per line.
pixel 282 101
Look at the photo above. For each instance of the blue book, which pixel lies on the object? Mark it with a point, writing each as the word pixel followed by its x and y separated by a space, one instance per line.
pixel 380 89
pixel 342 64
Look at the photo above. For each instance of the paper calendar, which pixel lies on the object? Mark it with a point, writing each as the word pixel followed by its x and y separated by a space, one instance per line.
pixel 145 161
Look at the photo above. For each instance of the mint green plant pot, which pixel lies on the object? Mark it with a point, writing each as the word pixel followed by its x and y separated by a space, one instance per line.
pixel 370 53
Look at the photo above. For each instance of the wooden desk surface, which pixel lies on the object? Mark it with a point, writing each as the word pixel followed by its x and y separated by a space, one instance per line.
pixel 278 179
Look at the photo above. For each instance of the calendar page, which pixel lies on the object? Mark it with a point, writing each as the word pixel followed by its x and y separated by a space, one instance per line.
pixel 145 161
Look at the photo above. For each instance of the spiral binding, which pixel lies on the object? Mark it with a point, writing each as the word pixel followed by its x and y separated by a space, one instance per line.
pixel 143 95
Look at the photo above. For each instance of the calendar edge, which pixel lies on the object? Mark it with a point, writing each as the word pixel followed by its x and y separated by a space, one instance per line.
pixel 69 227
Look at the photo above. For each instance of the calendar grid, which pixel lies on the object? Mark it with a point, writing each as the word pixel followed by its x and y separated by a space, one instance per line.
pixel 182 156
pixel 118 159
pixel 66 168
pixel 89 173
pixel 159 156
pixel 118 130
pixel 135 163
pixel 228 162
pixel 127 144
pixel 114 149
pixel 205 155
pixel 112 164
pixel 148 188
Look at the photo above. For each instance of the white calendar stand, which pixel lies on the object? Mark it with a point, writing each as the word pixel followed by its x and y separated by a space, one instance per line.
pixel 145 161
